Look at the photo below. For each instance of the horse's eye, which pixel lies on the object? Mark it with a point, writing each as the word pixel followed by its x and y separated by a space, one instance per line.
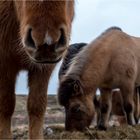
pixel 76 109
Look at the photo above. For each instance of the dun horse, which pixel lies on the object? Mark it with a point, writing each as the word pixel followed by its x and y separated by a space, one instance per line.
pixel 33 37
pixel 117 104
pixel 110 61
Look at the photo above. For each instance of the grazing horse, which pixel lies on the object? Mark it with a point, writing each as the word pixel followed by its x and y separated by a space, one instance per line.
pixel 110 61
pixel 33 37
pixel 117 105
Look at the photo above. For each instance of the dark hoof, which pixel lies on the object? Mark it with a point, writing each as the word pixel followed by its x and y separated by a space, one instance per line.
pixel 131 122
pixel 136 120
pixel 101 127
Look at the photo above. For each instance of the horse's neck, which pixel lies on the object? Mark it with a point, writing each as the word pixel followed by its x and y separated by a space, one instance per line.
pixel 95 69
pixel 8 23
pixel 87 74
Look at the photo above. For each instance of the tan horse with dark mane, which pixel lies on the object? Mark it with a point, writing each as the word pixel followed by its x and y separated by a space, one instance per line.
pixel 110 61
pixel 33 37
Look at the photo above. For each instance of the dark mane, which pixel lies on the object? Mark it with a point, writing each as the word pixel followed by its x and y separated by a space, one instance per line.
pixel 72 51
pixel 114 28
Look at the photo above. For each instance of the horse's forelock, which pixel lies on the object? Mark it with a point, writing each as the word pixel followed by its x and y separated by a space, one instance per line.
pixel 69 87
pixel 45 23
pixel 64 92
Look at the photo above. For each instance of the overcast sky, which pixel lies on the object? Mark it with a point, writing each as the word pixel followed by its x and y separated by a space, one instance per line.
pixel 92 17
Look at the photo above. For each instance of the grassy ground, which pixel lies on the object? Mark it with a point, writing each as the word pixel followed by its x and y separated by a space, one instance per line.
pixel 55 120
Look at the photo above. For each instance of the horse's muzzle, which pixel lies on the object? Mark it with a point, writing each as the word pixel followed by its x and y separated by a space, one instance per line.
pixel 45 54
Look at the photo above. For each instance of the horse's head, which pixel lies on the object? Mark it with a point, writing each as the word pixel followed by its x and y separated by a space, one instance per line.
pixel 79 107
pixel 45 28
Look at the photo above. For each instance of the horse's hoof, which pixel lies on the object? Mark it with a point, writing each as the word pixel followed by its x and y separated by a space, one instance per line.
pixel 132 122
pixel 101 127
pixel 48 131
pixel 136 120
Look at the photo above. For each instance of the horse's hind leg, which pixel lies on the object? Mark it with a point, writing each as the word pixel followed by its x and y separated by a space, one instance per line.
pixel 37 101
pixel 136 105
pixel 105 106
pixel 128 102
pixel 7 104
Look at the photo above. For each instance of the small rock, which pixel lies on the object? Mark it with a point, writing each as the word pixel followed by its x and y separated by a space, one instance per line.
pixel 48 130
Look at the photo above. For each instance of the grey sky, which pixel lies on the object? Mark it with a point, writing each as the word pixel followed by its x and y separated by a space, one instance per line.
pixel 92 17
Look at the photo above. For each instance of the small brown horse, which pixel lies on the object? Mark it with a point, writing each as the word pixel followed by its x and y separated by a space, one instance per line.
pixel 110 61
pixel 33 34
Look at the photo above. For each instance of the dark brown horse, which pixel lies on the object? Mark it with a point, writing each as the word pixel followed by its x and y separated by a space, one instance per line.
pixel 110 61
pixel 117 105
pixel 33 34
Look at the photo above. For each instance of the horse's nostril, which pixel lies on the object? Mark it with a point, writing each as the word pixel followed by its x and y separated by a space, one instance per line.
pixel 29 40
pixel 62 40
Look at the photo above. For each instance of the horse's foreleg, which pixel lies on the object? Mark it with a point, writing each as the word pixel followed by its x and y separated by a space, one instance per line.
pixel 7 104
pixel 37 102
pixel 105 107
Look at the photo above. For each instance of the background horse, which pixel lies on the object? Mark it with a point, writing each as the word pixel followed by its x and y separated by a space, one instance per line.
pixel 33 37
pixel 117 109
pixel 117 103
pixel 110 61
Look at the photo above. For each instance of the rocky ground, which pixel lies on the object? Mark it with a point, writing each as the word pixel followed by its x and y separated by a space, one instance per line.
pixel 54 124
